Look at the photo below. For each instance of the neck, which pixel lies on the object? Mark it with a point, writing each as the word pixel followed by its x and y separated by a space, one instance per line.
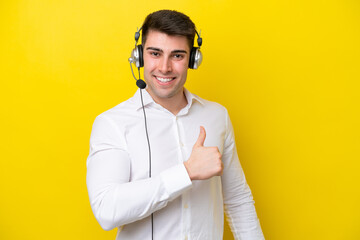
pixel 173 104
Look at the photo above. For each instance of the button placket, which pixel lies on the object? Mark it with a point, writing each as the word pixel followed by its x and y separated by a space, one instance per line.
pixel 179 139
pixel 182 142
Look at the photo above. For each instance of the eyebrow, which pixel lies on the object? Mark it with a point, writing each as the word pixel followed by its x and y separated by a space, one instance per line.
pixel 160 50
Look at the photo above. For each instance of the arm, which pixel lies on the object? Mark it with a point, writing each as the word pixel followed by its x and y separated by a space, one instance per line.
pixel 114 200
pixel 238 200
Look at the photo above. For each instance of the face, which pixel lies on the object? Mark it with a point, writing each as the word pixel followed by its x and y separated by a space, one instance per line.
pixel 166 60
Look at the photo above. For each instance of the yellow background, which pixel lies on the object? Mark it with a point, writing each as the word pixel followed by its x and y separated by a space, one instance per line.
pixel 288 72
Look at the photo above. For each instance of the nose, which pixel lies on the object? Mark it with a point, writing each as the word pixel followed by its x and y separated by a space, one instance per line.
pixel 165 65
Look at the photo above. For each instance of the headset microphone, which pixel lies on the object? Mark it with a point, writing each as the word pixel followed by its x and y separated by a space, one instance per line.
pixel 141 83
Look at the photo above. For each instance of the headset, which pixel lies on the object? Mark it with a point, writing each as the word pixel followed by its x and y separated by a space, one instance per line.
pixel 137 57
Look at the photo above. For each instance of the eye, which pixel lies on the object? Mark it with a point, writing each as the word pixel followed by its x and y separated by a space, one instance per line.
pixel 178 56
pixel 155 54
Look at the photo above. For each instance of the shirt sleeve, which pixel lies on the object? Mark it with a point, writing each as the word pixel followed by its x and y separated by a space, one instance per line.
pixel 115 200
pixel 238 199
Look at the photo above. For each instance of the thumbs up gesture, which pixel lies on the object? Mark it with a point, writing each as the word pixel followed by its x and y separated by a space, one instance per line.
pixel 204 162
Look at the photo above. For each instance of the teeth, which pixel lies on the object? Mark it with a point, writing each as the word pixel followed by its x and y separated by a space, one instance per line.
pixel 164 80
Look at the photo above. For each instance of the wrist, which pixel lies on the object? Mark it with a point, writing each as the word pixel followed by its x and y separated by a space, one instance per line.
pixel 186 164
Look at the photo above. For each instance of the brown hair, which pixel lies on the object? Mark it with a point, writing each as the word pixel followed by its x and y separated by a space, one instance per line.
pixel 170 22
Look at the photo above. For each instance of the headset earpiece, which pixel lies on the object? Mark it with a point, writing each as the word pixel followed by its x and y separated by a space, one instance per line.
pixel 137 52
pixel 195 58
pixel 195 54
pixel 141 55
pixel 139 59
pixel 137 56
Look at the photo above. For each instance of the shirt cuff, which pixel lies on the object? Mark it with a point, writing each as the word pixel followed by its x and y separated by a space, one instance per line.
pixel 176 180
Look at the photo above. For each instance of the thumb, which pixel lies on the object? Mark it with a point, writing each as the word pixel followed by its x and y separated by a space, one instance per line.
pixel 201 139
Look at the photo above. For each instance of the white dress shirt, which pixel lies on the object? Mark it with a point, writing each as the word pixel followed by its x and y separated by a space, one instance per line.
pixel 122 195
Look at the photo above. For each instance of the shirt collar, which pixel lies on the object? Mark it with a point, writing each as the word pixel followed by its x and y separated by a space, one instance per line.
pixel 147 99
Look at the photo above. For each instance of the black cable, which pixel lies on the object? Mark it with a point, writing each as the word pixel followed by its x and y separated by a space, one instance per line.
pixel 147 135
pixel 148 141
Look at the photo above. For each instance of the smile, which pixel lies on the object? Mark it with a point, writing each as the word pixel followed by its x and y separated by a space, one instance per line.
pixel 164 79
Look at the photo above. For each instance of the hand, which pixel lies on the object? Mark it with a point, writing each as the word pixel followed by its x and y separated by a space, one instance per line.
pixel 204 162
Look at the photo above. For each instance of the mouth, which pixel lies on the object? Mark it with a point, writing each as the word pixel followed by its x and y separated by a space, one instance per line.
pixel 164 80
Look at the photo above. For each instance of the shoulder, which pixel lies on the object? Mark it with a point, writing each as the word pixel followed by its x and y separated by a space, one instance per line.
pixel 122 110
pixel 211 106
pixel 114 121
pixel 209 112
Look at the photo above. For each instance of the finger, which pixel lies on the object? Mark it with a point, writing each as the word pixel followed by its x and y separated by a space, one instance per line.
pixel 201 139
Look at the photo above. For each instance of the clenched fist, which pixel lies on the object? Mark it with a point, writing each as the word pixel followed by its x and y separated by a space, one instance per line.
pixel 204 162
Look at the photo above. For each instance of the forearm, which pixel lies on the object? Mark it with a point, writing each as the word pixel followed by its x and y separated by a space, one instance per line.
pixel 115 201
pixel 242 217
pixel 238 199
pixel 239 203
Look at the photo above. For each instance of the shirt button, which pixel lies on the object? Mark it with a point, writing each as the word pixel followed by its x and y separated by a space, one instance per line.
pixel 181 144
pixel 186 237
pixel 186 206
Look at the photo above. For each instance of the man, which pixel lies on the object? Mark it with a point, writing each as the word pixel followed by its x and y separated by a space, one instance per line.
pixel 193 174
